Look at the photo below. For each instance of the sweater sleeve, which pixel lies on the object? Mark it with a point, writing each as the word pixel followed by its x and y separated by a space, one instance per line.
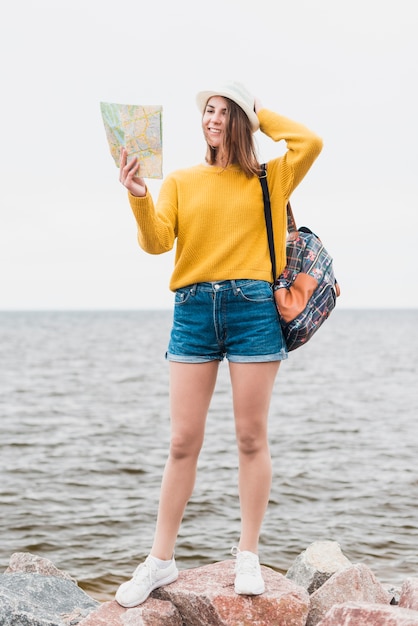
pixel 157 228
pixel 303 147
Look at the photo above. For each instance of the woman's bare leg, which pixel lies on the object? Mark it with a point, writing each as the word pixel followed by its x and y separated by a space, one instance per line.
pixel 191 389
pixel 252 385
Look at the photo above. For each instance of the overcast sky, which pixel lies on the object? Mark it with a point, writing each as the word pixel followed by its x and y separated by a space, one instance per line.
pixel 348 70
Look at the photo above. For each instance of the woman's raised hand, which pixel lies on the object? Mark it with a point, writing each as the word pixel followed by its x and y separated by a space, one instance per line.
pixel 128 175
pixel 257 105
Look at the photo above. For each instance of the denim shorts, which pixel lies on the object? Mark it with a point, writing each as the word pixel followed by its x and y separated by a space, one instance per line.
pixel 236 319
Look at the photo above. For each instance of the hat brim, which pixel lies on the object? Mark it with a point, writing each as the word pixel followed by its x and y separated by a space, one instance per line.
pixel 203 96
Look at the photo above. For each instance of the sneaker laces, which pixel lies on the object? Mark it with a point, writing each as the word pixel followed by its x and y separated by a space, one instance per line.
pixel 247 562
pixel 144 571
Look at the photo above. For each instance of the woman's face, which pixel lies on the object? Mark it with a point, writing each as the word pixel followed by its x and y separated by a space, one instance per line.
pixel 215 118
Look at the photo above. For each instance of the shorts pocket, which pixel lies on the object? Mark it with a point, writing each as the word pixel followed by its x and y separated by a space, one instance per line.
pixel 256 291
pixel 182 295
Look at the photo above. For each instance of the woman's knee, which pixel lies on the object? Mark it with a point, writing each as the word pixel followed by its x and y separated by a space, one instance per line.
pixel 251 442
pixel 185 447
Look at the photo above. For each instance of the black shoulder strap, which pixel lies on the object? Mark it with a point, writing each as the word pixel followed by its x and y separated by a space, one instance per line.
pixel 267 216
pixel 291 224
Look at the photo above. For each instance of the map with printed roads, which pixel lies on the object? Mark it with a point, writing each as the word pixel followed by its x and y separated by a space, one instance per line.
pixel 139 129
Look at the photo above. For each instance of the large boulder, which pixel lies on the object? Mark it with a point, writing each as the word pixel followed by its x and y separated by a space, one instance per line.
pixel 362 614
pixel 28 599
pixel 29 563
pixel 313 567
pixel 356 583
pixel 205 595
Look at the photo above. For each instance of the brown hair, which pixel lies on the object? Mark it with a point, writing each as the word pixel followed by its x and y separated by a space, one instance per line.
pixel 238 145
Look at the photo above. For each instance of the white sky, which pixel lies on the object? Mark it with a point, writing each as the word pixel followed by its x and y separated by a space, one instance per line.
pixel 345 69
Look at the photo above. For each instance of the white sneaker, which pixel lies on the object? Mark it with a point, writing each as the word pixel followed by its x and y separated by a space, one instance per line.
pixel 248 579
pixel 147 577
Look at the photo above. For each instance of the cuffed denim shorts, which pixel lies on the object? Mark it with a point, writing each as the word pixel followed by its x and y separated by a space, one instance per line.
pixel 236 319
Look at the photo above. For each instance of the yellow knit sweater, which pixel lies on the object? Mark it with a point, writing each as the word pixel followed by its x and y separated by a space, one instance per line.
pixel 217 214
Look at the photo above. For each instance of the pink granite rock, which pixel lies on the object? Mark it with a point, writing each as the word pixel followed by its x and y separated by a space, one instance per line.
pixel 356 583
pixel 152 613
pixel 205 595
pixel 31 564
pixel 362 614
pixel 409 594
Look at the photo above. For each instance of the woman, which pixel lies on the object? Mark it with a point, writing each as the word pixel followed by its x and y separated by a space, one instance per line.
pixel 224 307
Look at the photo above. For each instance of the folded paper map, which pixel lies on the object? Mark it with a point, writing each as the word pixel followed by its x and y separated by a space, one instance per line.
pixel 139 130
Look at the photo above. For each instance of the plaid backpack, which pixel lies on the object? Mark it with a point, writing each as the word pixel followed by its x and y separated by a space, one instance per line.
pixel 306 291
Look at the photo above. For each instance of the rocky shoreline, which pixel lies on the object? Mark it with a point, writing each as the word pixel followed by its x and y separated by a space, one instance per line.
pixel 321 588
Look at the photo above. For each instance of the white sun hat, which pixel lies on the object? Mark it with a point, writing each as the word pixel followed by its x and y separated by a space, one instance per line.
pixel 234 91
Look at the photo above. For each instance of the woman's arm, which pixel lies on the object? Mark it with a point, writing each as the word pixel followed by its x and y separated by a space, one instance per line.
pixel 157 228
pixel 303 147
pixel 155 232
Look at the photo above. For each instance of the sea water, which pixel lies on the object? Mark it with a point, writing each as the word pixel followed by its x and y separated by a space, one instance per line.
pixel 84 433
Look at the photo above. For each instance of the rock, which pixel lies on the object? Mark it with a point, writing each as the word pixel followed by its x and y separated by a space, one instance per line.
pixel 313 567
pixel 409 594
pixel 205 595
pixel 394 593
pixel 356 583
pixel 28 599
pixel 26 562
pixel 152 613
pixel 33 592
pixel 360 614
pixel 200 596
